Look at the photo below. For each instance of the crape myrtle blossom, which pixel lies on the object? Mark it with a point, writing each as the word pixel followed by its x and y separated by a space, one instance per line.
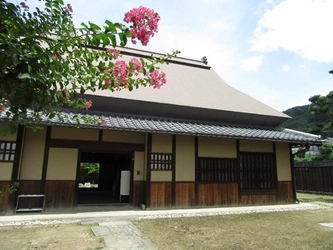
pixel 144 23
pixel 113 52
pixel 68 9
pixel 2 108
pixel 156 79
pixel 24 6
pixel 118 76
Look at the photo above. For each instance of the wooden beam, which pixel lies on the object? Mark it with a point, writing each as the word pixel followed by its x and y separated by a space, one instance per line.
pixel 100 135
pixel 96 145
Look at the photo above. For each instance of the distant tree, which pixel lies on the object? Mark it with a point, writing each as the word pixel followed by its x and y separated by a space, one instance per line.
pixel 325 154
pixel 304 120
pixel 323 106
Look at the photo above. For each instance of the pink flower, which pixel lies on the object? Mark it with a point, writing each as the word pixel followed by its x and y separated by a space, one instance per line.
pixel 54 57
pixel 113 52
pixel 87 105
pixel 137 65
pixel 107 81
pixel 102 120
pixel 67 95
pixel 24 6
pixel 156 79
pixel 144 23
pixel 2 108
pixel 68 8
pixel 120 72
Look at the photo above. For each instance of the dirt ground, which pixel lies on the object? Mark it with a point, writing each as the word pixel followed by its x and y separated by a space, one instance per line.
pixel 42 237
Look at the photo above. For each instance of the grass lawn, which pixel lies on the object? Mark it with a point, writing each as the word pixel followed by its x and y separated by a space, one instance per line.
pixel 321 199
pixel 46 237
pixel 276 230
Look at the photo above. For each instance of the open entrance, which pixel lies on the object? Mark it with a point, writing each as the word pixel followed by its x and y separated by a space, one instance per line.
pixel 100 177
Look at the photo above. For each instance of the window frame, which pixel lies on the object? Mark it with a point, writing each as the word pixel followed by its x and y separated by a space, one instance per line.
pixel 260 174
pixel 161 161
pixel 217 170
pixel 7 151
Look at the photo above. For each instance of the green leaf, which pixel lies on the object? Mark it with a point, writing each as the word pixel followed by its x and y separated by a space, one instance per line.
pixel 111 26
pixel 113 40
pixel 12 129
pixel 94 27
pixel 123 39
pixel 24 76
pixel 106 40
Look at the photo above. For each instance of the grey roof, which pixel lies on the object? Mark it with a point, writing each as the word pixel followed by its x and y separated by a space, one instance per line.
pixel 193 128
pixel 191 83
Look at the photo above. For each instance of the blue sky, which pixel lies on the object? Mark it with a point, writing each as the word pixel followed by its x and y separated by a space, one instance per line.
pixel 277 51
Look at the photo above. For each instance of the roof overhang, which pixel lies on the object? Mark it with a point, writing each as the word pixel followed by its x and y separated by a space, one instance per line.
pixel 150 124
pixel 146 108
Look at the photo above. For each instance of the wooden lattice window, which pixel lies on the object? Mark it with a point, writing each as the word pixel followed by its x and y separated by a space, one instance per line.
pixel 217 170
pixel 257 171
pixel 7 151
pixel 160 161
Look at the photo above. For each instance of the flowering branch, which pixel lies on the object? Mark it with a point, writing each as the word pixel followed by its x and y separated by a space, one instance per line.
pixel 46 62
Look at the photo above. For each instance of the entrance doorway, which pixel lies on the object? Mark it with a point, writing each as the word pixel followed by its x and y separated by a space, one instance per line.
pixel 100 177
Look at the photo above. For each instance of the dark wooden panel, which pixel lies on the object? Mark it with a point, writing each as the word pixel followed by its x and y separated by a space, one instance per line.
pixel 60 194
pixel 314 177
pixel 160 194
pixel 4 207
pixel 217 194
pixel 232 194
pixel 138 193
pixel 258 199
pixel 96 145
pixel 30 187
pixel 185 194
pixel 285 192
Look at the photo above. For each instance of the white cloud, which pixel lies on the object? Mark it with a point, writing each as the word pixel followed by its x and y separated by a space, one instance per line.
pixel 286 68
pixel 299 26
pixel 252 64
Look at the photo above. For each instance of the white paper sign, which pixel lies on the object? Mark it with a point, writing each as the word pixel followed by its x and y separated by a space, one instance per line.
pixel 125 183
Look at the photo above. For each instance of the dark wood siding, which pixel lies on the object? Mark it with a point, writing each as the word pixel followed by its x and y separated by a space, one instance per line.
pixel 60 194
pixel 138 193
pixel 4 206
pixel 285 192
pixel 160 194
pixel 30 187
pixel 185 194
pixel 218 194
pixel 258 199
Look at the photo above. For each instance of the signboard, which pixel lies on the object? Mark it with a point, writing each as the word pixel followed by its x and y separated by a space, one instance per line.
pixel 125 183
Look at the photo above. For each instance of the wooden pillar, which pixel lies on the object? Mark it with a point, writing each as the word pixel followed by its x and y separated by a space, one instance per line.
pixel 196 188
pixel 45 159
pixel 18 150
pixel 16 164
pixel 173 194
pixel 148 182
pixel 238 170
pixel 292 169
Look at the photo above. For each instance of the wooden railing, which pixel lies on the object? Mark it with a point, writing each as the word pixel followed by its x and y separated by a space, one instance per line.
pixel 314 177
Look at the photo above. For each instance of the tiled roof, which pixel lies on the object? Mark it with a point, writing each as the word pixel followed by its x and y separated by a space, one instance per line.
pixel 183 127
